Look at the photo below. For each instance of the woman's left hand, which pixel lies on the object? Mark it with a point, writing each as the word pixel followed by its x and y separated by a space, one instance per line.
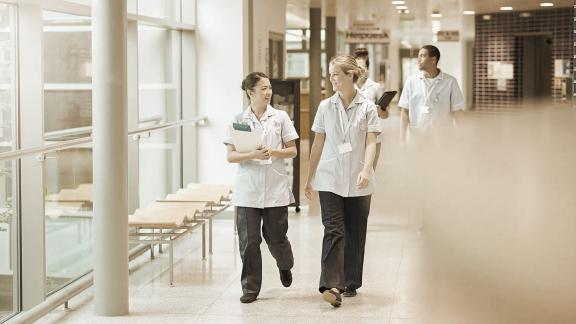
pixel 363 180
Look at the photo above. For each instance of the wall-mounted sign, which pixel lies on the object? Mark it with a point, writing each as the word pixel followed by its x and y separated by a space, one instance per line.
pixel 498 70
pixel 366 32
pixel 448 35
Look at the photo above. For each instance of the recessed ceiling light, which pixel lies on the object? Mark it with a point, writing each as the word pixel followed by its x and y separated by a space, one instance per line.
pixel 406 11
pixel 506 8
pixel 546 4
pixel 486 17
pixel 401 7
pixel 469 12
pixel 436 14
pixel 398 2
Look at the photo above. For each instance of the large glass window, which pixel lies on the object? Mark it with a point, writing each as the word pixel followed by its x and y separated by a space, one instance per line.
pixel 158 74
pixel 8 211
pixel 67 72
pixel 67 173
pixel 164 9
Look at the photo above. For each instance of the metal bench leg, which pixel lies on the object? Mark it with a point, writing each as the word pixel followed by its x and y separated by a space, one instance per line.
pixel 210 235
pixel 171 257
pixel 204 241
pixel 160 245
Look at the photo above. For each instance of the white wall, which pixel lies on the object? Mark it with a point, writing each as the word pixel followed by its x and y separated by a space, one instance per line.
pixel 268 16
pixel 221 54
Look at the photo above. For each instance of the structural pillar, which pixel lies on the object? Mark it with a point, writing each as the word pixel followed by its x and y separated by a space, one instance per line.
pixel 315 86
pixel 330 40
pixel 110 156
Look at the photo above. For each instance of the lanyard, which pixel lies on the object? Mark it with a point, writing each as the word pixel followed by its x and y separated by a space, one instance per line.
pixel 344 116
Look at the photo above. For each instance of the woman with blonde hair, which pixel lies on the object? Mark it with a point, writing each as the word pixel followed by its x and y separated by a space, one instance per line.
pixel 346 126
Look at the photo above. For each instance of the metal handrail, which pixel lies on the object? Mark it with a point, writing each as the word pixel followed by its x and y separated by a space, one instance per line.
pixel 17 154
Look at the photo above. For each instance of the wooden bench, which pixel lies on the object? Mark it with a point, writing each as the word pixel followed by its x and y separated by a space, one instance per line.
pixel 166 223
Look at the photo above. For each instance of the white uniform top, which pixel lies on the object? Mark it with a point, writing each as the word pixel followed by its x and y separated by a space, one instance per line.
pixel 338 173
pixel 372 91
pixel 430 101
pixel 264 185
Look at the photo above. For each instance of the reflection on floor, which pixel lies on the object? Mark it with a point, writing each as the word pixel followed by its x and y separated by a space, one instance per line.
pixel 469 225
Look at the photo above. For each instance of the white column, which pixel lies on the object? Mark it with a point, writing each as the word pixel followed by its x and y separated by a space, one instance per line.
pixel 109 102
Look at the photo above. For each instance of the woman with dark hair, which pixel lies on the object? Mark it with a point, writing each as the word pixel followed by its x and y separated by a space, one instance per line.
pixel 262 191
pixel 346 126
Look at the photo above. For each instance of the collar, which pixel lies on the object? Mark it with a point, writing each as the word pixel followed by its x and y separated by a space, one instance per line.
pixel 358 98
pixel 369 83
pixel 270 111
pixel 440 75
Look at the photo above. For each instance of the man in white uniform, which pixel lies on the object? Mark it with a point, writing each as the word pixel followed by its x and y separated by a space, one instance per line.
pixel 429 97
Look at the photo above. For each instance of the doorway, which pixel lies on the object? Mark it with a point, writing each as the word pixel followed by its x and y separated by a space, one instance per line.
pixel 537 66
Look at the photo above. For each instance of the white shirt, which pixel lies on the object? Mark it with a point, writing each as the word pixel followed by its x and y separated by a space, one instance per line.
pixel 372 91
pixel 264 185
pixel 338 173
pixel 430 101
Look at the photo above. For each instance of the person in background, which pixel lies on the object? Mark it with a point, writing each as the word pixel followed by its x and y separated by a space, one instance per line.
pixel 346 126
pixel 371 90
pixel 262 191
pixel 429 97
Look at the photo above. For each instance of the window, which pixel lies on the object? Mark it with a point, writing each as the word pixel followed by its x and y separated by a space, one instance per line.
pixel 9 292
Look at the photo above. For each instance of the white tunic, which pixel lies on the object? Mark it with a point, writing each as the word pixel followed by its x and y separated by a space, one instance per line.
pixel 264 185
pixel 338 173
pixel 372 91
pixel 430 101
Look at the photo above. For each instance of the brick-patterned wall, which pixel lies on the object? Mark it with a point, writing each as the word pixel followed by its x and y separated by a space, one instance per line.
pixel 497 40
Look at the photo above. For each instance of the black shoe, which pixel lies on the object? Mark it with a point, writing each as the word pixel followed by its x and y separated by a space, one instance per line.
pixel 248 298
pixel 333 297
pixel 349 292
pixel 286 277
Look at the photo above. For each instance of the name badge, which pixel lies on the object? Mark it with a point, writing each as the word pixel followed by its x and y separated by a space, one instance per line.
pixel 344 148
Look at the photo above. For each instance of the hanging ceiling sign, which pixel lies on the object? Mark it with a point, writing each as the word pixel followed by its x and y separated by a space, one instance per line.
pixel 366 32
pixel 448 35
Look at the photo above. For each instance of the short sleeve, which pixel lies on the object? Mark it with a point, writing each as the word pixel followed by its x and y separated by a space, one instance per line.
pixel 404 101
pixel 288 131
pixel 380 137
pixel 372 118
pixel 319 124
pixel 456 97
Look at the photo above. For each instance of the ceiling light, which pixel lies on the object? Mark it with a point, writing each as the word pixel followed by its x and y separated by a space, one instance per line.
pixel 398 2
pixel 506 8
pixel 469 12
pixel 401 7
pixel 546 4
pixel 406 11
pixel 486 17
pixel 436 14
pixel 525 15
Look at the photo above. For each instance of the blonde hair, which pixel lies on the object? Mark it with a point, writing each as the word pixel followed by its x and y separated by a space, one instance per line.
pixel 347 64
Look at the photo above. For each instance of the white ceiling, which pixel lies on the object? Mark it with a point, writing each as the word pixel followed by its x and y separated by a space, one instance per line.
pixel 383 10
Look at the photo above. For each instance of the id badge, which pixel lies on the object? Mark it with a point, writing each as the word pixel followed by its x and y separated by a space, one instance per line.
pixel 344 148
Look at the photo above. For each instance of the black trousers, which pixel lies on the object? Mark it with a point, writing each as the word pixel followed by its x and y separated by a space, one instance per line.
pixel 274 222
pixel 345 221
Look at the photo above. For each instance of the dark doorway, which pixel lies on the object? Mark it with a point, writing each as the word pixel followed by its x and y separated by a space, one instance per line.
pixel 537 66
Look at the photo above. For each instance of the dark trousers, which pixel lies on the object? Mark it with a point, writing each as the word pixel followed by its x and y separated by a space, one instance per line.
pixel 345 220
pixel 274 222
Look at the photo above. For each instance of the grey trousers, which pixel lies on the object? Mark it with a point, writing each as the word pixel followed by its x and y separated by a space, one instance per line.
pixel 345 221
pixel 274 222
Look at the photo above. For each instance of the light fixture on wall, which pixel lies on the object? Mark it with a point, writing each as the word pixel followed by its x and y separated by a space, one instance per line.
pixel 436 14
pixel 486 17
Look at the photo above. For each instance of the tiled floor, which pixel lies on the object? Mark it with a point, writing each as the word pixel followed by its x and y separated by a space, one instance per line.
pixel 477 266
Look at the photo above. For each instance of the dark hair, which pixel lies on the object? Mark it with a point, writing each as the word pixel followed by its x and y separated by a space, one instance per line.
pixel 250 81
pixel 362 52
pixel 433 51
